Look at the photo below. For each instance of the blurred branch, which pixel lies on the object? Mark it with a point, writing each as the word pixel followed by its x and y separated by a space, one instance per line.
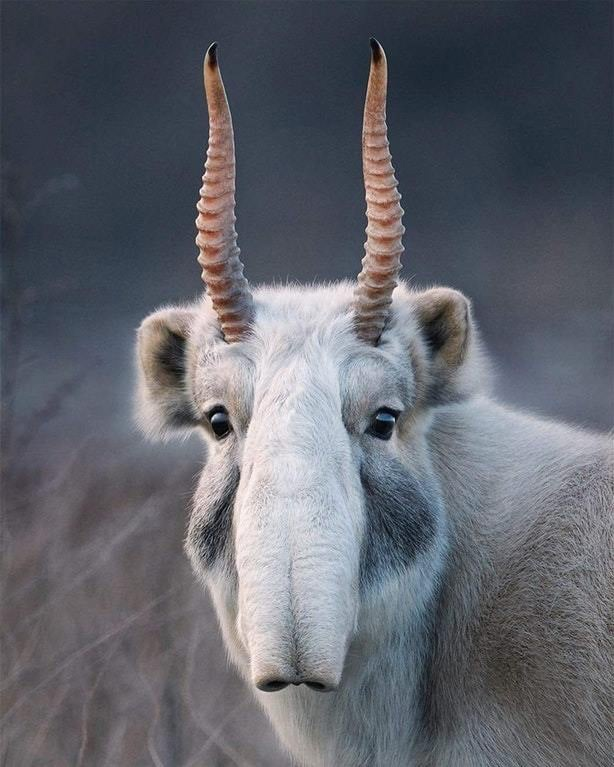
pixel 125 624
pixel 214 737
pixel 151 746
pixel 41 734
pixel 103 555
pixel 16 212
pixel 51 485
pixel 12 229
pixel 212 733
pixel 85 714
pixel 115 740
pixel 49 410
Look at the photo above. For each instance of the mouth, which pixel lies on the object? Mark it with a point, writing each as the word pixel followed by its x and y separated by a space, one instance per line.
pixel 275 685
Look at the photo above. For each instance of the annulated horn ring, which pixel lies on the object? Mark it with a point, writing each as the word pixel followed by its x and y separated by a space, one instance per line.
pixel 383 248
pixel 222 269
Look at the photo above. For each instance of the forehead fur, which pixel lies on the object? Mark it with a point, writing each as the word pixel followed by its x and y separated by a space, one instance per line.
pixel 287 316
pixel 309 327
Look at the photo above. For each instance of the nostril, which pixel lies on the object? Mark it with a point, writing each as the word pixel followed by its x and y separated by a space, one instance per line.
pixel 316 686
pixel 271 685
pixel 319 686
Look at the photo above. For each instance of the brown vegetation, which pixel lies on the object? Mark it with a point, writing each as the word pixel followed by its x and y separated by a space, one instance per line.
pixel 111 654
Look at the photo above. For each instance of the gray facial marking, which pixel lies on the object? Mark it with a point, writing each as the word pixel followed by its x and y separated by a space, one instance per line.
pixel 211 532
pixel 401 514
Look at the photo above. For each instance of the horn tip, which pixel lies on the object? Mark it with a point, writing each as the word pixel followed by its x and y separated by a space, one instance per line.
pixel 377 52
pixel 211 56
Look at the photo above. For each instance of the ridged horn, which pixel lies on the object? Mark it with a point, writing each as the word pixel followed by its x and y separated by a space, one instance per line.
pixel 217 239
pixel 383 248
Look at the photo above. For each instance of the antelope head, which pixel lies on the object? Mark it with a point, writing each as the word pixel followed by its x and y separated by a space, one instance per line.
pixel 317 495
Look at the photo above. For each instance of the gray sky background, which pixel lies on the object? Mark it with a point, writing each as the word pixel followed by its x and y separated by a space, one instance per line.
pixel 500 121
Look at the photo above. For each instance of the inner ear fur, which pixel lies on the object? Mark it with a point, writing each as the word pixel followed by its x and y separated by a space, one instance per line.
pixel 444 316
pixel 446 327
pixel 164 402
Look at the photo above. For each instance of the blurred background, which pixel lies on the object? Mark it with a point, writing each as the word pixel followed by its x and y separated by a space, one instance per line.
pixel 500 120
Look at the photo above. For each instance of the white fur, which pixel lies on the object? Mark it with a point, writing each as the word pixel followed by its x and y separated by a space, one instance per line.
pixel 495 646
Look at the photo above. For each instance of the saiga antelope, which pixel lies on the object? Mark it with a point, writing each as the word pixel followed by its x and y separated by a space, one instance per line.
pixel 371 522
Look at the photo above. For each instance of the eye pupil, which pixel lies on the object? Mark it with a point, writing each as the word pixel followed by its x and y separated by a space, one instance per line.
pixel 220 423
pixel 382 425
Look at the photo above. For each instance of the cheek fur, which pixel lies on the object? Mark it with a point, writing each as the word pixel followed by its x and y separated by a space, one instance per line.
pixel 401 518
pixel 210 532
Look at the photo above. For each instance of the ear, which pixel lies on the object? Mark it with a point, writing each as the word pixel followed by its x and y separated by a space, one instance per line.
pixel 164 403
pixel 447 329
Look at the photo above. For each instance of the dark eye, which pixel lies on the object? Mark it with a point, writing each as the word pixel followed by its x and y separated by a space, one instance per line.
pixel 383 423
pixel 220 422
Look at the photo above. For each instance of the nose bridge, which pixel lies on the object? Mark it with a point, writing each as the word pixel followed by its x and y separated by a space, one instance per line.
pixel 297 410
pixel 297 453
pixel 297 537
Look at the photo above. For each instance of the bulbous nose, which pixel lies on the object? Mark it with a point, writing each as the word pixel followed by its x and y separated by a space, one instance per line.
pixel 276 683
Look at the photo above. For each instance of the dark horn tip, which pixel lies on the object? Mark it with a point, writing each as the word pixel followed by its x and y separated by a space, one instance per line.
pixel 376 50
pixel 212 55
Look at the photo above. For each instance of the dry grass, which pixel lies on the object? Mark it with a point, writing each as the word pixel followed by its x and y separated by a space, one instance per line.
pixel 111 653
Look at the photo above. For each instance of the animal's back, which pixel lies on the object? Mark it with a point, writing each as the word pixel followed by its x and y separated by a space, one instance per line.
pixel 522 668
